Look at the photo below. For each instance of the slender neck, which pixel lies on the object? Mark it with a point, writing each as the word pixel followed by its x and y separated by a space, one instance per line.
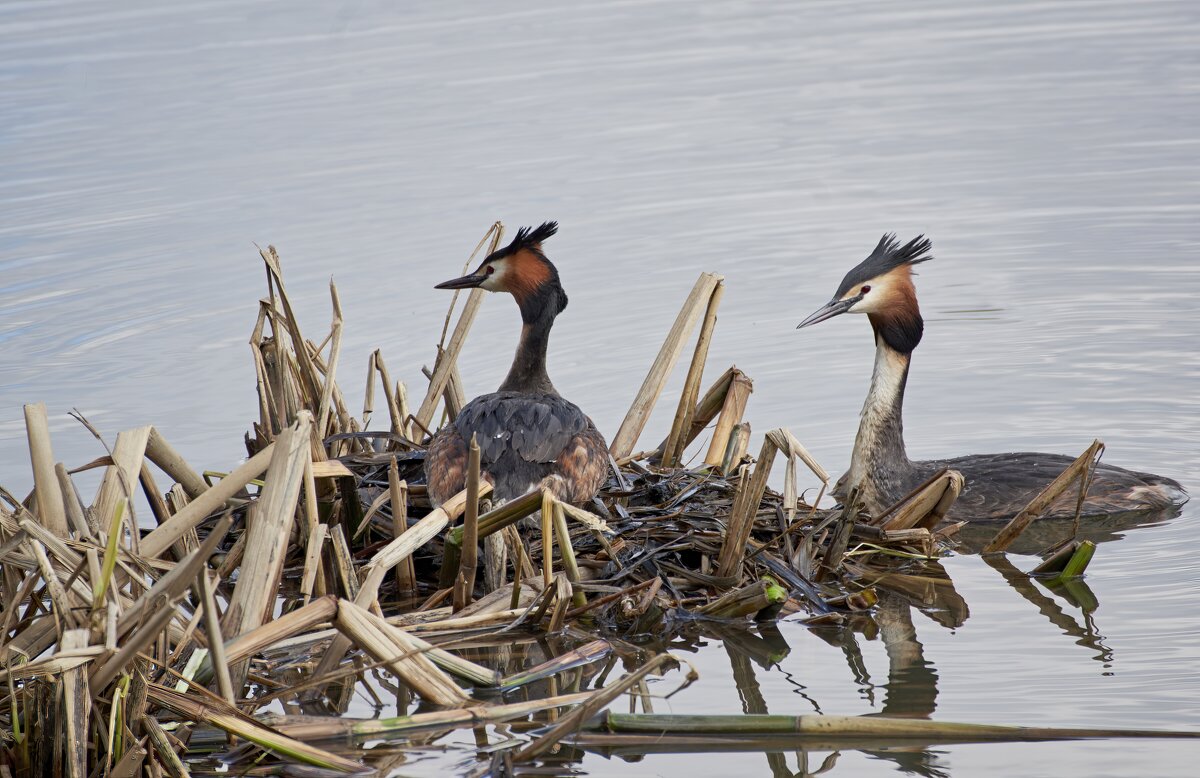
pixel 528 372
pixel 880 440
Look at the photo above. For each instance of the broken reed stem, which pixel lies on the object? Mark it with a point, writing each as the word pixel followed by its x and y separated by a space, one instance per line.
pixel 399 653
pixel 643 403
pixel 685 411
pixel 199 509
pixel 733 407
pixel 75 515
pixel 77 706
pixel 1038 505
pixel 567 551
pixel 395 416
pixel 216 643
pixel 267 536
pixel 464 582
pixel 50 509
pixel 743 512
pixel 171 462
pixel 593 705
pixel 547 539
pixel 510 512
pixel 236 723
pixel 406 576
pixel 335 349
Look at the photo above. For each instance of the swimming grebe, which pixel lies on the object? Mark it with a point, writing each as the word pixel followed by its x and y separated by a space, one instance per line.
pixel 529 436
pixel 997 485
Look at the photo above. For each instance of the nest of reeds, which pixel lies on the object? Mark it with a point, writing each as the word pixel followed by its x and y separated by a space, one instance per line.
pixel 133 642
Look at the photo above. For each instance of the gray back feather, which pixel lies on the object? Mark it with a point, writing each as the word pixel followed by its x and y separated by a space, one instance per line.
pixel 533 427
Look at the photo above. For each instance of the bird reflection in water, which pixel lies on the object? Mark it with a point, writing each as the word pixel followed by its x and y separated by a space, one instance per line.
pixel 911 687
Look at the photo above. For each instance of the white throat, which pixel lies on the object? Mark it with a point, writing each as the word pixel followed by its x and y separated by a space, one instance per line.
pixel 880 429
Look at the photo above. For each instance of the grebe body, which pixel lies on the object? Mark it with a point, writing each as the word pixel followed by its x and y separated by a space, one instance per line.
pixel 529 436
pixel 997 486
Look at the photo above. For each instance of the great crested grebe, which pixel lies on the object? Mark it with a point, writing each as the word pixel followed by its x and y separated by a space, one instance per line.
pixel 997 485
pixel 529 436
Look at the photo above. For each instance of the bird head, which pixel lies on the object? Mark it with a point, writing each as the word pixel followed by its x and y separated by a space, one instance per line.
pixel 881 286
pixel 521 269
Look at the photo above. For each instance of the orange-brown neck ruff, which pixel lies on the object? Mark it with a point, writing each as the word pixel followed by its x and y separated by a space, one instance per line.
pixel 897 319
pixel 527 274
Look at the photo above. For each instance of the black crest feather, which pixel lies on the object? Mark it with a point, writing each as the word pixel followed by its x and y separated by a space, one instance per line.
pixel 530 238
pixel 887 256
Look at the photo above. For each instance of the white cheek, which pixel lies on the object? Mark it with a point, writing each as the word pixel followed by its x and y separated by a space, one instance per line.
pixel 865 305
pixel 495 281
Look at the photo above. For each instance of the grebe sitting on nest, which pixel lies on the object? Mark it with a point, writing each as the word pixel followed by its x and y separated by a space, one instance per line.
pixel 529 436
pixel 997 485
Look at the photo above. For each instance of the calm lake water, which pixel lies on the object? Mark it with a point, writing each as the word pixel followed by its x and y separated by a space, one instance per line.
pixel 1048 148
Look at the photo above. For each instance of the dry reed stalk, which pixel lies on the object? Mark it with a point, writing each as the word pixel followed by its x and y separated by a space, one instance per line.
pixel 312 560
pixel 495 562
pixel 547 539
pixel 369 391
pixel 120 478
pixel 581 655
pixel 1077 470
pixel 395 552
pixel 134 643
pixel 792 447
pixel 733 408
pixel 735 450
pixel 464 582
pixel 199 509
pixel 643 403
pixel 399 653
pixel 424 530
pixel 62 610
pixel 744 601
pixel 705 411
pixel 171 462
pixel 574 719
pixel 217 656
pixel 76 706
pixel 267 536
pixel 395 416
pixel 455 396
pixel 472 673
pixel 825 725
pixel 328 728
pixel 155 609
pixel 309 378
pixel 319 611
pixel 406 574
pixel 164 748
pixel 743 512
pixel 673 449
pixel 233 721
pixel 344 561
pixel 61 662
pixel 567 552
pixel 419 621
pixel 50 508
pixel 510 513
pixel 335 350
pixel 74 507
pixel 927 506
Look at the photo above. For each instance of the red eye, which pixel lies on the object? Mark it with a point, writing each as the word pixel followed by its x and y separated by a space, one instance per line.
pixel 865 289
pixel 490 270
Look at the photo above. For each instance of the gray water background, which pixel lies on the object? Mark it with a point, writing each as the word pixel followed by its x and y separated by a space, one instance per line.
pixel 1048 148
